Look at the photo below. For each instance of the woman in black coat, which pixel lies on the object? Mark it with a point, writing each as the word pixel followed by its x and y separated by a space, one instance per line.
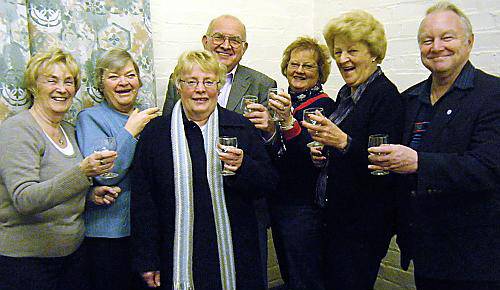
pixel 362 208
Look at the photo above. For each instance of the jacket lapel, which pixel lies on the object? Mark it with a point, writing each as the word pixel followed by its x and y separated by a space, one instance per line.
pixel 240 86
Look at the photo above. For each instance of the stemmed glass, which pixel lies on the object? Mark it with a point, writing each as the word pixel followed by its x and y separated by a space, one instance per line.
pixel 225 142
pixel 248 99
pixel 272 93
pixel 307 119
pixel 106 144
pixel 375 141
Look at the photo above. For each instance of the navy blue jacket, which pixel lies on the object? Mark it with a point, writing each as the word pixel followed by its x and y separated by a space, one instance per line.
pixel 153 204
pixel 455 195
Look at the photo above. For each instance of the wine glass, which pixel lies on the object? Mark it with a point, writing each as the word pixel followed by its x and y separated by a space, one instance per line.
pixel 246 100
pixel 226 141
pixel 307 119
pixel 146 103
pixel 272 93
pixel 106 144
pixel 374 141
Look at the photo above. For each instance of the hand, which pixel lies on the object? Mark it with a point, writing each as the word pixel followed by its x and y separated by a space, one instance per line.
pixel 231 156
pixel 317 157
pixel 260 118
pixel 98 163
pixel 152 278
pixel 104 194
pixel 326 132
pixel 396 158
pixel 282 105
pixel 138 120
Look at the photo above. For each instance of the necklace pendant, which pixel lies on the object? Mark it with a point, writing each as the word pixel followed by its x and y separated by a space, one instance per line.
pixel 61 141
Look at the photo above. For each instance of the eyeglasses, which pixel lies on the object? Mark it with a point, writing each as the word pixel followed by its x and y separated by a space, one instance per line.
pixel 219 38
pixel 209 84
pixel 305 66
pixel 115 77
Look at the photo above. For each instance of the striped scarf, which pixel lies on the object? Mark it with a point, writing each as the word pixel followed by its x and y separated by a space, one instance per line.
pixel 184 207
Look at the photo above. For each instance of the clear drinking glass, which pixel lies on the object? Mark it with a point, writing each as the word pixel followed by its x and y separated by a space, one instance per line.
pixel 374 141
pixel 306 118
pixel 272 93
pixel 226 141
pixel 248 99
pixel 106 144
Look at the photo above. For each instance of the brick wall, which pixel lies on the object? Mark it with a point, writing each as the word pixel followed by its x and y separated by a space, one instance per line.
pixel 272 25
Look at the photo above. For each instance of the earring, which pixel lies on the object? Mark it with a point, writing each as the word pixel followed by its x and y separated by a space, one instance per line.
pixel 373 59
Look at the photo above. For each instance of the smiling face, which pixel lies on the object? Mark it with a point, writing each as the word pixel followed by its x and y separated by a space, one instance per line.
pixel 302 70
pixel 120 87
pixel 354 60
pixel 444 44
pixel 198 102
pixel 226 53
pixel 55 89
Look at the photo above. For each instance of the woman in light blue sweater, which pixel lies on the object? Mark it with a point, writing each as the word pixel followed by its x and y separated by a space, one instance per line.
pixel 108 227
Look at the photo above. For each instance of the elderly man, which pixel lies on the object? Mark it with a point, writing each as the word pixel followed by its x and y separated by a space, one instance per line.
pixel 452 159
pixel 226 38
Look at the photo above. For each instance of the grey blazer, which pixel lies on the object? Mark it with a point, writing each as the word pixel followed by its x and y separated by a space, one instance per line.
pixel 246 82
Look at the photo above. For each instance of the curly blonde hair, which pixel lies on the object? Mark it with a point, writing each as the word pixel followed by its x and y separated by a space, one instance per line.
pixel 358 25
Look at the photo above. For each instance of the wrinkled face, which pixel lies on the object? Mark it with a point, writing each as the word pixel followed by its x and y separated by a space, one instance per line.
pixel 55 89
pixel 444 45
pixel 120 87
pixel 302 71
pixel 227 53
pixel 201 100
pixel 354 60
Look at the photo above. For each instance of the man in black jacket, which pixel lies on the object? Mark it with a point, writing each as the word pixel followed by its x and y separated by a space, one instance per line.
pixel 452 158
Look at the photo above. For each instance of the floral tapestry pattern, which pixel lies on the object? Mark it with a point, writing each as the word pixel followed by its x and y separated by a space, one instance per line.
pixel 85 28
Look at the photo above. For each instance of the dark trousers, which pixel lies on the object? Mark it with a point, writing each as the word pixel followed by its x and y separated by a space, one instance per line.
pixel 354 260
pixel 109 264
pixel 299 239
pixel 263 223
pixel 59 273
pixel 436 284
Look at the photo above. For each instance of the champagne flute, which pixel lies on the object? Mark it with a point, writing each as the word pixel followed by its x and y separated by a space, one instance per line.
pixel 226 141
pixel 272 93
pixel 248 99
pixel 307 118
pixel 374 141
pixel 106 144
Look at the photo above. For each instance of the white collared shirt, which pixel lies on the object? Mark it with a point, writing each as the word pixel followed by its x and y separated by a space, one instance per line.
pixel 224 92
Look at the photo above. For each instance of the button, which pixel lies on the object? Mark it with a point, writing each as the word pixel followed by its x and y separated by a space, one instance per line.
pixel 448 112
pixel 413 193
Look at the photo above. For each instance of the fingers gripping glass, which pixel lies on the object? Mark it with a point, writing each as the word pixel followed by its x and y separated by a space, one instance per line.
pixel 272 93
pixel 375 141
pixel 106 144
pixel 219 38
pixel 248 99
pixel 307 118
pixel 225 142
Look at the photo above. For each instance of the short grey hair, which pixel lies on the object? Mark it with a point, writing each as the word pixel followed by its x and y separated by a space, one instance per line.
pixel 448 6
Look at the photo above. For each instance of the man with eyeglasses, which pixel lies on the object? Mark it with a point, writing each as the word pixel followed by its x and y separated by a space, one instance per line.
pixel 226 38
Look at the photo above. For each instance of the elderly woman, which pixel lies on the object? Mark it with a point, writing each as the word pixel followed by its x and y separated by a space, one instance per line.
pixel 43 182
pixel 108 227
pixel 189 223
pixel 297 216
pixel 361 207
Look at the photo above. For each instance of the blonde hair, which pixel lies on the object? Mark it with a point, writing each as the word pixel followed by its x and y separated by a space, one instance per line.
pixel 358 25
pixel 113 60
pixel 448 6
pixel 309 43
pixel 41 62
pixel 206 60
